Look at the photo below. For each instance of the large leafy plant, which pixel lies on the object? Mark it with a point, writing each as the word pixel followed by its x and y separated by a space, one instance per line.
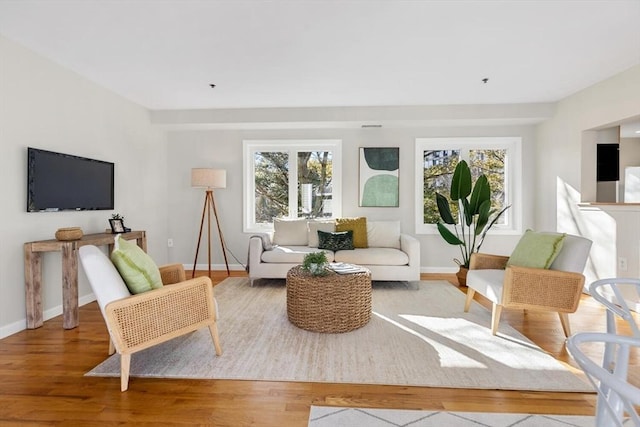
pixel 474 216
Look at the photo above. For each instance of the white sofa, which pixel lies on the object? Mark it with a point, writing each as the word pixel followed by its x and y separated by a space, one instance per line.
pixel 390 255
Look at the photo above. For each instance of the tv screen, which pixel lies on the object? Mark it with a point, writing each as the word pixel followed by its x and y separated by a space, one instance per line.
pixel 57 182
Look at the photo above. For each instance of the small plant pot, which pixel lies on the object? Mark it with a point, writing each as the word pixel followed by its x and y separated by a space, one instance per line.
pixel 317 269
pixel 462 276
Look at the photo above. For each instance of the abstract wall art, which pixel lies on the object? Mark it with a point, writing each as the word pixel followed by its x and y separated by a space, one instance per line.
pixel 379 173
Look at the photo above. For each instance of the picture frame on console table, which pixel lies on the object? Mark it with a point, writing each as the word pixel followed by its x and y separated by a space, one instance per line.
pixel 117 226
pixel 379 173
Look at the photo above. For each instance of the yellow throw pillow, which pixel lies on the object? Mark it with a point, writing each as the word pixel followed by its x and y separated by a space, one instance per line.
pixel 359 228
pixel 138 270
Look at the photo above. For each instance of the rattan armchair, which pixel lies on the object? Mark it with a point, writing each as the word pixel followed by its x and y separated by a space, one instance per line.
pixel 557 289
pixel 137 322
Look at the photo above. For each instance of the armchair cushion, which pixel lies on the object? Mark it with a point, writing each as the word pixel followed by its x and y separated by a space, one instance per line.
pixel 537 250
pixel 113 288
pixel 139 271
pixel 489 283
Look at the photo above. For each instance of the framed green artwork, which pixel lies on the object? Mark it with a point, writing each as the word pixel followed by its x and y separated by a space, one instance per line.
pixel 379 174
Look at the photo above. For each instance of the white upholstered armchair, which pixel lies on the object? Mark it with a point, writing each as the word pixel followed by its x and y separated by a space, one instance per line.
pixel 136 322
pixel 557 288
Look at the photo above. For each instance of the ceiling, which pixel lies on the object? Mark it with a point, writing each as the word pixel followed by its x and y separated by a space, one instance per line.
pixel 165 54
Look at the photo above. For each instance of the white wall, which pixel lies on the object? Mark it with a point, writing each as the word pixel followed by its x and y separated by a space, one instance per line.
pixel 46 106
pixel 629 157
pixel 566 168
pixel 223 149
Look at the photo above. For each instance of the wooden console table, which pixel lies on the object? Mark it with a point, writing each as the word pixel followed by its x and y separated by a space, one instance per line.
pixel 33 272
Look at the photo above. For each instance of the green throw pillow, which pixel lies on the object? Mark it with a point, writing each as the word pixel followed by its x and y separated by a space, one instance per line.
pixel 335 241
pixel 137 269
pixel 537 250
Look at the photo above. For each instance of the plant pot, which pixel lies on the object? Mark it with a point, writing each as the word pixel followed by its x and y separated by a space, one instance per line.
pixel 317 269
pixel 462 276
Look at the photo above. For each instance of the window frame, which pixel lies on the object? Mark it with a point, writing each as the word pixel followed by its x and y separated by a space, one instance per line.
pixel 513 176
pixel 250 147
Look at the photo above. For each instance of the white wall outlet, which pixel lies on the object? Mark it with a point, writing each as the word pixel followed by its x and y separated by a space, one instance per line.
pixel 622 264
pixel 170 243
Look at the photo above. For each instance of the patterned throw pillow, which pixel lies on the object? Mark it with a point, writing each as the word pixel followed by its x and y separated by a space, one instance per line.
pixel 359 228
pixel 335 241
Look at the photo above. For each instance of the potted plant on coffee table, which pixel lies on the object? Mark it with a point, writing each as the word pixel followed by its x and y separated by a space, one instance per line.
pixel 474 215
pixel 315 263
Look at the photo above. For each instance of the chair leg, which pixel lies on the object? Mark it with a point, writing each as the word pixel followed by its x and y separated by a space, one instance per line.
pixel 467 302
pixel 213 328
pixel 564 319
pixel 495 318
pixel 112 347
pixel 125 363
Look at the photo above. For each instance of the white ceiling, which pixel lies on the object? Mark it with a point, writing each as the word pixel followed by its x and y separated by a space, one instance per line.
pixel 164 54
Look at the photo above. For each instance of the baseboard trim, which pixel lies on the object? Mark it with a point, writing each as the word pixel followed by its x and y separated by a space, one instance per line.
pixel 217 267
pixel 49 314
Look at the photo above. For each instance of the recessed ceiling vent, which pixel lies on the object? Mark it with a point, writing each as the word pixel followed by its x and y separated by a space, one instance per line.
pixel 371 126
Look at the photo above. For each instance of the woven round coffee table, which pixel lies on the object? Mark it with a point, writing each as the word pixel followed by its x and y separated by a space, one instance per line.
pixel 332 303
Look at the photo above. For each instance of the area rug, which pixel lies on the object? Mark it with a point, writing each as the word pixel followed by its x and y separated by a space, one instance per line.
pixel 418 335
pixel 323 416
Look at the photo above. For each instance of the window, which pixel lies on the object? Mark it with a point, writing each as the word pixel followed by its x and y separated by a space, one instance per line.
pixel 291 179
pixel 498 158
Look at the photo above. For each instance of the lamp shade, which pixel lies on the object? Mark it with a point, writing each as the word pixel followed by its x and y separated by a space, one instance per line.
pixel 209 178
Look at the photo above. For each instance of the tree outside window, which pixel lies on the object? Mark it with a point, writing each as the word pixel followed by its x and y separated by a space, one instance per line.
pixel 438 159
pixel 275 192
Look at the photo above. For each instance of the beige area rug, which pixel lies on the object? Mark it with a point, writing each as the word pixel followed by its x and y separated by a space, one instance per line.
pixel 418 335
pixel 322 416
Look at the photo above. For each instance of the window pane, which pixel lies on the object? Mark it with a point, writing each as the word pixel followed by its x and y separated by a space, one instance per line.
pixel 271 185
pixel 438 171
pixel 314 184
pixel 491 163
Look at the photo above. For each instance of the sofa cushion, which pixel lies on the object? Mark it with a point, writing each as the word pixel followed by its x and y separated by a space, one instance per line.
pixel 335 240
pixel 536 250
pixel 322 225
pixel 290 254
pixel 290 232
pixel 383 234
pixel 373 256
pixel 359 228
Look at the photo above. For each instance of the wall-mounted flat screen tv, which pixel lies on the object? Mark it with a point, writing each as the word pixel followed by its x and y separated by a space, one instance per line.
pixel 60 182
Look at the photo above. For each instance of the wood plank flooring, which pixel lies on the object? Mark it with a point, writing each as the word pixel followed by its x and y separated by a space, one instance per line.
pixel 42 382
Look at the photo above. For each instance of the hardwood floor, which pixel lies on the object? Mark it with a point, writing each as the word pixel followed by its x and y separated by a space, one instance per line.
pixel 42 382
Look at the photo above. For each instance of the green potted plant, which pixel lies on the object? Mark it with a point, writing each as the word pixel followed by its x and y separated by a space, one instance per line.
pixel 474 216
pixel 315 263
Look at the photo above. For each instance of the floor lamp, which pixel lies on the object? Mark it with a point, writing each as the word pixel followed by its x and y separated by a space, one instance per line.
pixel 209 179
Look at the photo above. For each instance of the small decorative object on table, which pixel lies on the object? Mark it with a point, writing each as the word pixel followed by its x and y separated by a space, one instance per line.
pixel 69 233
pixel 345 268
pixel 117 223
pixel 315 263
